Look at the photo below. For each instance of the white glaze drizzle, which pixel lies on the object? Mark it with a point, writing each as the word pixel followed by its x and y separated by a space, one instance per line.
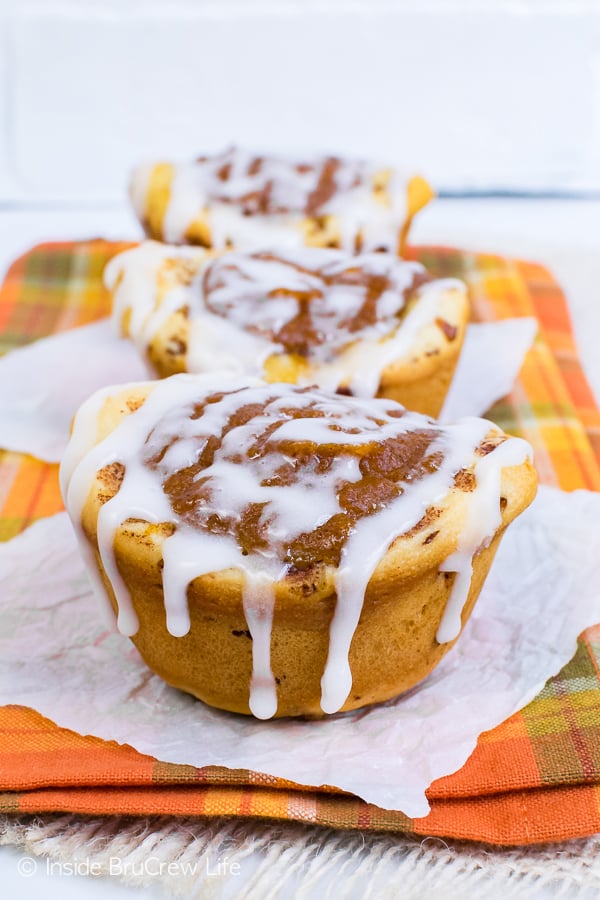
pixel 246 288
pixel 244 293
pixel 483 519
pixel 238 479
pixel 82 441
pixel 133 277
pixel 197 187
pixel 370 541
pixel 259 604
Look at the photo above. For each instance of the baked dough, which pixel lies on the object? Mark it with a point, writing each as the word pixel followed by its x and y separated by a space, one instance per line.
pixel 238 199
pixel 365 325
pixel 281 550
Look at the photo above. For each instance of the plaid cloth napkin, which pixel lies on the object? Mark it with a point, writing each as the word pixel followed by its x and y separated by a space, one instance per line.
pixel 534 778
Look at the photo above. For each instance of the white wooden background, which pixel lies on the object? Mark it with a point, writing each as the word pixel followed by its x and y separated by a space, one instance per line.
pixel 480 94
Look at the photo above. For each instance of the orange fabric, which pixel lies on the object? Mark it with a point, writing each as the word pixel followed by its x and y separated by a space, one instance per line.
pixel 534 778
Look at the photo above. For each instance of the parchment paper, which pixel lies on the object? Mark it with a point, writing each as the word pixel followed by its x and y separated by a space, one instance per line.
pixel 57 656
pixel 43 384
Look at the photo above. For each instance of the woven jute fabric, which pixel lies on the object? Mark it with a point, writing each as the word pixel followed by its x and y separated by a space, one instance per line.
pixel 248 859
pixel 535 778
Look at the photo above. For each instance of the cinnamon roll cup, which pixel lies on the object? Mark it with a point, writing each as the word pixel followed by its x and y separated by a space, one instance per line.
pixel 237 199
pixel 194 497
pixel 365 325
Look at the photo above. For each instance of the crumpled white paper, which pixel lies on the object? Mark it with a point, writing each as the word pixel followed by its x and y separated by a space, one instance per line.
pixel 42 385
pixel 57 656
pixel 491 357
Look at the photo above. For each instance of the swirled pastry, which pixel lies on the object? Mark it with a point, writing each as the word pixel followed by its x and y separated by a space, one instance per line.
pixel 283 551
pixel 366 325
pixel 237 199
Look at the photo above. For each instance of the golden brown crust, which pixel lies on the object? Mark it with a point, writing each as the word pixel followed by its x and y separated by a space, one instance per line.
pixel 394 646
